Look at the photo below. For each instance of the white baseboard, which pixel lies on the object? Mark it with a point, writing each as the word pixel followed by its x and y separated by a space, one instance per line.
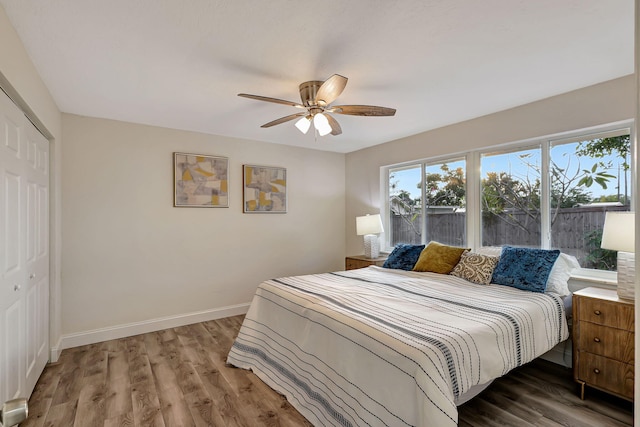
pixel 121 331
pixel 560 354
pixel 54 352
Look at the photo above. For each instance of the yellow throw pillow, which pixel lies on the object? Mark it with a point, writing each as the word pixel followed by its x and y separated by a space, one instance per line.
pixel 438 258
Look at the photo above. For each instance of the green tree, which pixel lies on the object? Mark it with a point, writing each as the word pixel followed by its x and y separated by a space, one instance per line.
pixel 607 198
pixel 567 188
pixel 600 148
pixel 601 259
pixel 446 188
pixel 504 196
pixel 573 197
pixel 405 197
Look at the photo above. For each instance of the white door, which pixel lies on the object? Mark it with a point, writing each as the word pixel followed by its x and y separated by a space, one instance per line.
pixel 37 255
pixel 24 252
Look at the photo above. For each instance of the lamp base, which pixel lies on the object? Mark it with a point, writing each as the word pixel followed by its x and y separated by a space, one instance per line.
pixel 371 246
pixel 626 275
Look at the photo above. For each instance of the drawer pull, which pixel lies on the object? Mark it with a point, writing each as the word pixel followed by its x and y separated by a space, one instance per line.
pixel 596 339
pixel 597 312
pixel 596 371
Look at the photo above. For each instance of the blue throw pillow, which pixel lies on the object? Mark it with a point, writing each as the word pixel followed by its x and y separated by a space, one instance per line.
pixel 525 268
pixel 403 256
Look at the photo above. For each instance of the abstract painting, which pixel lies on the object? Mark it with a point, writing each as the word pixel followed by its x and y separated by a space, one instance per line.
pixel 200 181
pixel 265 189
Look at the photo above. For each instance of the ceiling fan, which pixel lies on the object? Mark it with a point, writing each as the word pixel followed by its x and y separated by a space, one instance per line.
pixel 317 97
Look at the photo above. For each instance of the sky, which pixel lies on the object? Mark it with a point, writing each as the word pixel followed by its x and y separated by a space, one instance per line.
pixel 562 155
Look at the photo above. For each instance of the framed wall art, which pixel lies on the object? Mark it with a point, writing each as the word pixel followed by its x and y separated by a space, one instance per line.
pixel 200 181
pixel 265 189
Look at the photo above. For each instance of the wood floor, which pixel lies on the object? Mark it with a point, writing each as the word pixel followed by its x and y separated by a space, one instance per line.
pixel 178 377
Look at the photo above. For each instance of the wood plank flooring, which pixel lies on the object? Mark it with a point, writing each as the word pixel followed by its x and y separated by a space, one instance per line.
pixel 178 377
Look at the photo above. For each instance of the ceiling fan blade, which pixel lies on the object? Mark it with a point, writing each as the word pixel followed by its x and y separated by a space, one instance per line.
pixel 335 126
pixel 363 110
pixel 274 100
pixel 283 120
pixel 330 90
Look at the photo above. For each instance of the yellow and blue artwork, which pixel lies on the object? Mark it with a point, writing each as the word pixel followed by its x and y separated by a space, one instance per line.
pixel 265 189
pixel 201 181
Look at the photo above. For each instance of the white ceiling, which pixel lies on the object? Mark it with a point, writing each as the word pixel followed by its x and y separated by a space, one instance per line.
pixel 180 64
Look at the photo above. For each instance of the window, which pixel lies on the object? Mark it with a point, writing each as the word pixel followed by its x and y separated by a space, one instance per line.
pixel 551 193
pixel 405 205
pixel 445 202
pixel 510 199
pixel 588 178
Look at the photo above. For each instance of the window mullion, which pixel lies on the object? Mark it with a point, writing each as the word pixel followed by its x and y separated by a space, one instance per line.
pixel 386 209
pixel 473 189
pixel 423 203
pixel 545 196
pixel 633 168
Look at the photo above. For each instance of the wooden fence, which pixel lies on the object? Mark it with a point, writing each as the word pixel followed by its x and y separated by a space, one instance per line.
pixel 569 230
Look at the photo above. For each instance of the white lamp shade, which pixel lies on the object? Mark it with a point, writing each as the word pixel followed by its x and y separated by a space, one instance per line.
pixel 618 233
pixel 370 224
pixel 321 124
pixel 303 124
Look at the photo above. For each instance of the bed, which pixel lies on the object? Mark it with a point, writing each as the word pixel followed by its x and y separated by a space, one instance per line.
pixel 388 347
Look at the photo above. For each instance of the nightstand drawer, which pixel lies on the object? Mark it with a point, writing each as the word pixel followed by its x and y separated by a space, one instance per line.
pixel 605 341
pixel 607 374
pixel 606 313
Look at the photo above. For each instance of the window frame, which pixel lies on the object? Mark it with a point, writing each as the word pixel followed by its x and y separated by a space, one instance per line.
pixel 473 178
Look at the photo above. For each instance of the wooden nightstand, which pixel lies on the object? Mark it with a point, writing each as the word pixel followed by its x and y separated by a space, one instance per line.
pixel 360 261
pixel 603 341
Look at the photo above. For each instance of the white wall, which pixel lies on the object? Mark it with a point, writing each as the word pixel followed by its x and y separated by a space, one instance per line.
pixel 19 78
pixel 130 256
pixel 604 103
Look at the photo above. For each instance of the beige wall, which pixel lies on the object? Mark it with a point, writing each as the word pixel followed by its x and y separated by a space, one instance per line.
pixel 604 103
pixel 130 256
pixel 19 78
pixel 121 260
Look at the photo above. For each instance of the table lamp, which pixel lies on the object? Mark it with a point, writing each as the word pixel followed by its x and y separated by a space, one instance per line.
pixel 369 226
pixel 618 234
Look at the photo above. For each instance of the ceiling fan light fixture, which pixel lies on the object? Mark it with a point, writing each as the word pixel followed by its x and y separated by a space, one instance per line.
pixel 316 97
pixel 303 124
pixel 321 124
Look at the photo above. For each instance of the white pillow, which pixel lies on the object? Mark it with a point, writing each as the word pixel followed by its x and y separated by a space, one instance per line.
pixel 490 250
pixel 560 273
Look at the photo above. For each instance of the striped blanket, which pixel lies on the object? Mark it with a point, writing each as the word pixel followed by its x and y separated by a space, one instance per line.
pixel 380 347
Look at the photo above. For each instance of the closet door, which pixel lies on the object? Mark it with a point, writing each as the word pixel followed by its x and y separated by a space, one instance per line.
pixel 24 252
pixel 36 288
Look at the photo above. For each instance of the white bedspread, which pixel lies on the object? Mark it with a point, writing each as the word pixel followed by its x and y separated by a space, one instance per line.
pixel 381 347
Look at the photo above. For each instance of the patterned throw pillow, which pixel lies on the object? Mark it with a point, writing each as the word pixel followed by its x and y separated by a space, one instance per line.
pixel 475 267
pixel 525 268
pixel 438 258
pixel 403 256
